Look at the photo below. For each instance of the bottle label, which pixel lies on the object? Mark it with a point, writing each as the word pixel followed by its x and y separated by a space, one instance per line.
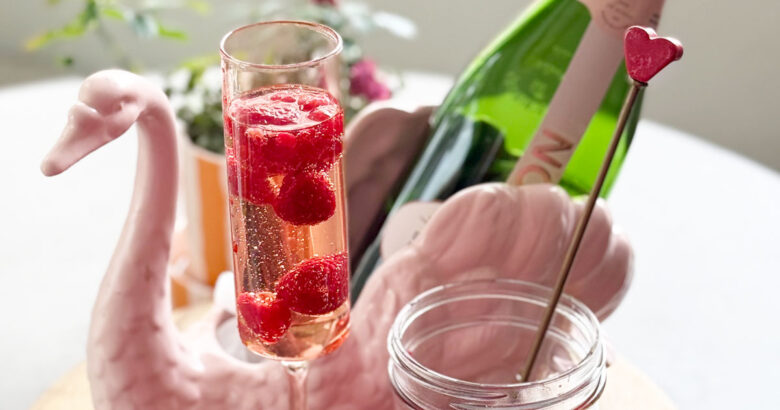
pixel 582 88
pixel 404 225
pixel 618 15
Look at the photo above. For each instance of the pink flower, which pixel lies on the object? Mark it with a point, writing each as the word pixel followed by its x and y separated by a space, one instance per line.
pixel 331 3
pixel 363 81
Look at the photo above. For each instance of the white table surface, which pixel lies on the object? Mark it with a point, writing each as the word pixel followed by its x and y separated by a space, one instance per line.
pixel 701 317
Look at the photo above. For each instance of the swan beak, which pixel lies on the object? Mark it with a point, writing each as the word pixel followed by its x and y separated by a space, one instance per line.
pixel 84 133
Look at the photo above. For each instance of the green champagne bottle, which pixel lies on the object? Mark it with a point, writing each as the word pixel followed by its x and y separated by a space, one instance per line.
pixel 537 105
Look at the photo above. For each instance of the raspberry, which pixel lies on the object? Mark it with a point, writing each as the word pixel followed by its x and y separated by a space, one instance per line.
pixel 335 127
pixel 315 146
pixel 259 190
pixel 255 186
pixel 283 96
pixel 273 151
pixel 252 112
pixel 316 286
pixel 322 113
pixel 305 198
pixel 308 102
pixel 263 314
pixel 276 114
pixel 320 146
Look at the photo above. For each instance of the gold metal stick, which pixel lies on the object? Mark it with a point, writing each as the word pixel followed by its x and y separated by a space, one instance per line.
pixel 579 232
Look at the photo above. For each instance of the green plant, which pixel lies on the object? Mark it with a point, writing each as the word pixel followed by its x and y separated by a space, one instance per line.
pixel 195 90
pixel 97 15
pixel 194 87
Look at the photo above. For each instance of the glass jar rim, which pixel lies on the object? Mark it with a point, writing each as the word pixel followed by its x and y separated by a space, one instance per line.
pixel 568 305
pixel 319 28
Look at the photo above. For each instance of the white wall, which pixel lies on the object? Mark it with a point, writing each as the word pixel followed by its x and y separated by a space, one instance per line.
pixel 723 91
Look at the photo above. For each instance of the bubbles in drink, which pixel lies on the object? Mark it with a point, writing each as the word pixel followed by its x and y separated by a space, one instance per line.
pixel 283 149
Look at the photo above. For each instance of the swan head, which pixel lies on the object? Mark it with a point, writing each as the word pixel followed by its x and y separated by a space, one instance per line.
pixel 109 102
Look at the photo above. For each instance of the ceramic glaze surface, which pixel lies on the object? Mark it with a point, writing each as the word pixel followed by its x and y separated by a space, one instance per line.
pixel 487 231
pixel 136 359
pixel 380 146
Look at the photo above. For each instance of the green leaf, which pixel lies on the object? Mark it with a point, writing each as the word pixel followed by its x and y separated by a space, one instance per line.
pixel 113 13
pixel 170 33
pixel 71 30
pixel 79 25
pixel 39 41
pixel 195 76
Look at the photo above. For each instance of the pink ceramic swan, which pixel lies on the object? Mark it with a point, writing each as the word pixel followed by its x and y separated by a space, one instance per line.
pixel 501 232
pixel 380 145
pixel 137 359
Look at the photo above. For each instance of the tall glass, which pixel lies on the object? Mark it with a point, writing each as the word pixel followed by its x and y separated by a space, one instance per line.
pixel 283 143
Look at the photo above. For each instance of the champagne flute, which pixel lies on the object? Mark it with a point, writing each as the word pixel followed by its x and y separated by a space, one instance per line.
pixel 283 143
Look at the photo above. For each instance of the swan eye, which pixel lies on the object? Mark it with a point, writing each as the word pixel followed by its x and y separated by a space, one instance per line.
pixel 124 102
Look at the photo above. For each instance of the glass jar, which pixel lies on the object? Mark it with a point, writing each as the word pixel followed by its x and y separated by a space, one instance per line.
pixel 462 346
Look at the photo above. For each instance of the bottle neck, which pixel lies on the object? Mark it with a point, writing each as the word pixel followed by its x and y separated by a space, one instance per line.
pixel 582 88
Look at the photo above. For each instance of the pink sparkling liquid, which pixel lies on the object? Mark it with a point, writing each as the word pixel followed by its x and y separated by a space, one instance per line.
pixel 270 134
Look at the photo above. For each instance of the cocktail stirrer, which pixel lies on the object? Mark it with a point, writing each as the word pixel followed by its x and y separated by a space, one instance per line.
pixel 646 55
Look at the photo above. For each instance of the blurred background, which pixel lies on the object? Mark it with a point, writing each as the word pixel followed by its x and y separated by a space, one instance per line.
pixel 724 93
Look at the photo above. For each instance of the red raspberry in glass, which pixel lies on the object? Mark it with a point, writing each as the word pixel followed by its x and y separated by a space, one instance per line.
pixel 315 286
pixel 314 147
pixel 284 152
pixel 320 146
pixel 283 96
pixel 255 186
pixel 252 112
pixel 322 113
pixel 274 152
pixel 308 102
pixel 259 190
pixel 305 198
pixel 276 114
pixel 263 314
pixel 334 127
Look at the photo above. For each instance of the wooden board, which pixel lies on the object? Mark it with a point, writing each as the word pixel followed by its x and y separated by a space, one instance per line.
pixel 627 387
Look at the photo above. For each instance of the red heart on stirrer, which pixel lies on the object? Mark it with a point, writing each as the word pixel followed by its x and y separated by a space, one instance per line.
pixel 647 54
